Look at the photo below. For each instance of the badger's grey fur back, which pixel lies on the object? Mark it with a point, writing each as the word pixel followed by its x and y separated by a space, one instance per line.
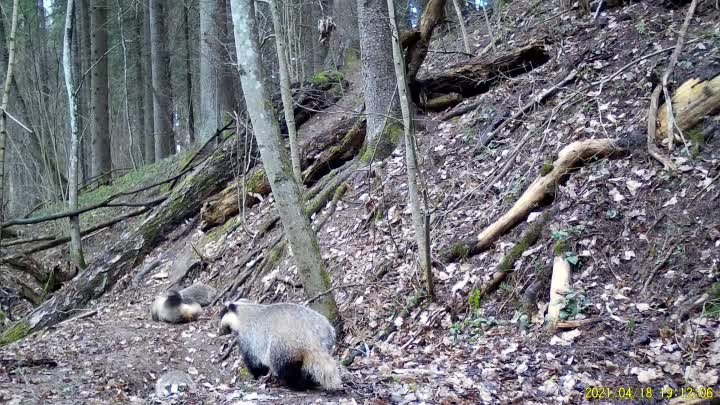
pixel 290 341
pixel 198 292
pixel 175 306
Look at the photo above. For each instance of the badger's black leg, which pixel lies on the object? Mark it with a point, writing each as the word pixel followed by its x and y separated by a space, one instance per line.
pixel 289 371
pixel 257 369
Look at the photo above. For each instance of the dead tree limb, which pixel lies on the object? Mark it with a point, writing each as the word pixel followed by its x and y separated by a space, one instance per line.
pixel 540 192
pixel 60 240
pixel 692 102
pixel 128 252
pixel 652 148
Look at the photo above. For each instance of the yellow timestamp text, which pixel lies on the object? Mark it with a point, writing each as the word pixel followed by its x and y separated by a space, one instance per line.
pixel 647 393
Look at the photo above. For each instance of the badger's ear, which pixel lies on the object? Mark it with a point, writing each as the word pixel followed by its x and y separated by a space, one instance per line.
pixel 232 307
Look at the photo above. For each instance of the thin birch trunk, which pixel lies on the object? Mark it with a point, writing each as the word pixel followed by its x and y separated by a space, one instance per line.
pixel 463 29
pixel 4 103
pixel 421 235
pixel 287 99
pixel 287 194
pixel 76 254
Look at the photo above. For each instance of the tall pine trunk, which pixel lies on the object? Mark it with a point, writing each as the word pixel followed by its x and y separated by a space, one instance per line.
pixel 76 254
pixel 188 75
pixel 215 91
pixel 102 159
pixel 148 103
pixel 162 92
pixel 139 81
pixel 306 250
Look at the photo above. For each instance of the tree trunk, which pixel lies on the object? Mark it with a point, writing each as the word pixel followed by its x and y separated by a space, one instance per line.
pixel 287 99
pixel 76 254
pixel 379 81
pixel 188 76
pixel 162 97
pixel 4 103
pixel 286 191
pixel 148 102
pixel 82 21
pixel 422 234
pixel 139 81
pixel 101 157
pixel 463 30
pixel 214 96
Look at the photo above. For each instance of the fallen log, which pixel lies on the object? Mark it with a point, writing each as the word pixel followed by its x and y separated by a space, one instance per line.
pixel 319 155
pixel 478 75
pixel 442 102
pixel 184 201
pixel 692 102
pixel 541 191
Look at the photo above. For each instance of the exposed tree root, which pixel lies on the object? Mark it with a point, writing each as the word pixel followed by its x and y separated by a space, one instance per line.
pixel 540 192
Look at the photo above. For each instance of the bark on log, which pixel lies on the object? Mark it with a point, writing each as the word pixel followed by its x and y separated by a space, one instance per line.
pixel 121 258
pixel 318 156
pixel 480 74
pixel 541 191
pixel 693 101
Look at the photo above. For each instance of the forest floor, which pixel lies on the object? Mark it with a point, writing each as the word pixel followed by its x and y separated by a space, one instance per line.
pixel 627 222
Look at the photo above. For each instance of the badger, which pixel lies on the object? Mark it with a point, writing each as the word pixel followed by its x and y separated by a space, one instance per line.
pixel 181 306
pixel 291 342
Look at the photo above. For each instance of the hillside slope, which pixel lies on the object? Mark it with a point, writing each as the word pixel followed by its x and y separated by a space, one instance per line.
pixel 644 243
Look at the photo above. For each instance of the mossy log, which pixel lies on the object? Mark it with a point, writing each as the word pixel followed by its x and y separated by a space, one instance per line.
pixel 541 191
pixel 527 240
pixel 131 249
pixel 478 75
pixel 692 102
pixel 319 155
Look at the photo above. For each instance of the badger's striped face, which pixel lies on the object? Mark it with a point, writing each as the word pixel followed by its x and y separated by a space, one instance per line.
pixel 228 319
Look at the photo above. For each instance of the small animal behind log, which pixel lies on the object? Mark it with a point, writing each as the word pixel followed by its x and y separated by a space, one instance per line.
pixel 182 306
pixel 291 342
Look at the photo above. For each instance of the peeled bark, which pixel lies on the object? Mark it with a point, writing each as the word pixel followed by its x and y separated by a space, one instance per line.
pixel 559 285
pixel 101 157
pixel 162 97
pixel 286 191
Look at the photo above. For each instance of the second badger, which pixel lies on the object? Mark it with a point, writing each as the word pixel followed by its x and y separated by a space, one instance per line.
pixel 185 305
pixel 290 341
